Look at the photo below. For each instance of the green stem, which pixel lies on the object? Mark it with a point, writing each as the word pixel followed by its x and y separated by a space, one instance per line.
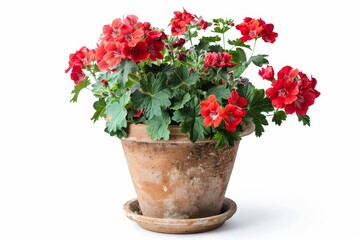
pixel 224 40
pixel 253 50
pixel 190 37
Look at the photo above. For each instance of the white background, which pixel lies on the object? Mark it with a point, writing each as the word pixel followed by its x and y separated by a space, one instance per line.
pixel 62 177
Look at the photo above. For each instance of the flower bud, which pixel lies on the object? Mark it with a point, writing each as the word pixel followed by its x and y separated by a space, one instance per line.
pixel 181 56
pixel 104 82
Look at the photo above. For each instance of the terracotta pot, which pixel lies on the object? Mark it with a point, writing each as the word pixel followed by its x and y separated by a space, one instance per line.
pixel 178 179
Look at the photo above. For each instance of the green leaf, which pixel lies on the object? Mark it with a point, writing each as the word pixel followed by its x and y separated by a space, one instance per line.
pixel 238 43
pixel 78 88
pixel 239 57
pixel 182 76
pixel 211 39
pixel 216 48
pixel 223 137
pixel 259 60
pixel 279 117
pixel 158 127
pixel 154 96
pixel 202 45
pixel 220 91
pixel 121 75
pixel 127 66
pixel 180 100
pixel 153 68
pixel 305 119
pixel 259 120
pixel 257 104
pixel 117 112
pixel 120 133
pixel 99 107
pixel 190 121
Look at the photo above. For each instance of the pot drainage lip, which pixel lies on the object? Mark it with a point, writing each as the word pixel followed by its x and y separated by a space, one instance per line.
pixel 168 225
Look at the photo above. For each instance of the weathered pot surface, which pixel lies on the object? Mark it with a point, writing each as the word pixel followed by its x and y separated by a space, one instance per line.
pixel 177 179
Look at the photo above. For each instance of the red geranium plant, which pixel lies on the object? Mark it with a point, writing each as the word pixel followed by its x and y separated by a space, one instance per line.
pixel 193 77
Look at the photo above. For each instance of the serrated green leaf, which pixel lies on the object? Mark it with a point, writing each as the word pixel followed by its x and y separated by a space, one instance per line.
pixel 182 76
pixel 158 127
pixel 220 91
pixel 259 60
pixel 239 57
pixel 78 88
pixel 202 45
pixel 238 43
pixel 154 96
pixel 257 103
pixel 127 66
pixel 190 121
pixel 120 133
pixel 216 48
pixel 153 68
pixel 180 101
pixel 223 137
pixel 211 39
pixel 305 119
pixel 117 112
pixel 259 120
pixel 99 107
pixel 279 117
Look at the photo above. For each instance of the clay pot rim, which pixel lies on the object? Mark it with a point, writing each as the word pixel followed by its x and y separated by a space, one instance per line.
pixel 138 133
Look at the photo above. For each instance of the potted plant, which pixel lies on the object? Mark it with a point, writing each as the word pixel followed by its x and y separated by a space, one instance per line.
pixel 180 102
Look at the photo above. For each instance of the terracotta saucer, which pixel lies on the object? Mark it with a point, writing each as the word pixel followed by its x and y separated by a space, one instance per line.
pixel 194 225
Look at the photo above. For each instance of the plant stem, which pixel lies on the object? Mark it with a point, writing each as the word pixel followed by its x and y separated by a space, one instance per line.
pixel 253 50
pixel 190 37
pixel 224 40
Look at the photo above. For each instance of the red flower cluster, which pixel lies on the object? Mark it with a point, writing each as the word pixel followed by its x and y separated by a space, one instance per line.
pixel 183 19
pixel 232 115
pixel 130 39
pixel 292 90
pixel 254 28
pixel 81 58
pixel 220 59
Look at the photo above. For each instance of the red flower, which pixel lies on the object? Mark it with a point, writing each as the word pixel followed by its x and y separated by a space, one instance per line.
pixel 138 53
pixel 220 59
pixel 178 28
pixel 110 32
pixel 114 53
pixel 180 22
pixel 77 74
pixel 130 35
pixel 250 29
pixel 82 57
pixel 267 33
pixel 236 100
pixel 211 111
pixel 232 116
pixel 267 73
pixel 282 92
pixel 287 73
pixel 306 96
pixel 183 17
pixel 154 48
pixel 254 28
pixel 99 56
pixel 203 24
